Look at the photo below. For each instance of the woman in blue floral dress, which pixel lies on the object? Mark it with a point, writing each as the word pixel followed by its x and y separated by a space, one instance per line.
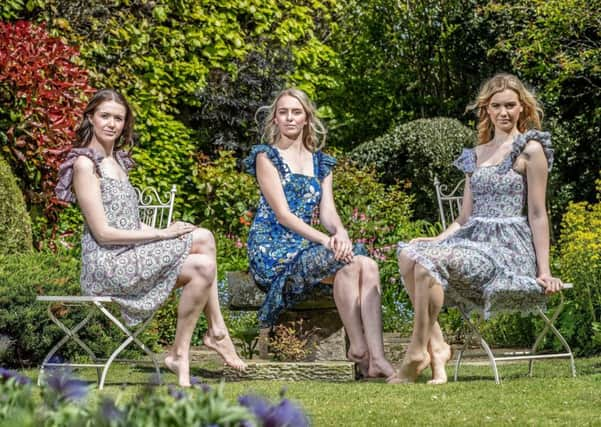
pixel 493 258
pixel 288 257
pixel 123 258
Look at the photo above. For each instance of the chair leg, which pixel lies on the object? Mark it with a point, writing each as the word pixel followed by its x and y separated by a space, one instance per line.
pixel 131 336
pixel 484 345
pixel 69 334
pixel 549 324
pixel 468 339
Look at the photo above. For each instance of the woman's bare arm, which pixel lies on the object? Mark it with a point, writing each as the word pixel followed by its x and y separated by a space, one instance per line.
pixel 87 189
pixel 271 188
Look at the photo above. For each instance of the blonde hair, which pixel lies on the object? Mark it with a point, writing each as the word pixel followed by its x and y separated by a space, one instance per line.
pixel 530 117
pixel 314 132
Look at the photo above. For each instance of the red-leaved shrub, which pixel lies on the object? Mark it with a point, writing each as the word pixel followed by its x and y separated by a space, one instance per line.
pixel 44 93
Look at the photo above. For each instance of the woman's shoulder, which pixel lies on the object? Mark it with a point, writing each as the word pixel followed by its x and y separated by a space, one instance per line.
pixel 466 161
pixel 325 164
pixel 82 159
pixel 533 142
pixel 250 162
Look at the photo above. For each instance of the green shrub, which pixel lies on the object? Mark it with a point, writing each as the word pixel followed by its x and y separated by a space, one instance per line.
pixel 413 153
pixel 26 322
pixel 579 262
pixel 379 216
pixel 15 224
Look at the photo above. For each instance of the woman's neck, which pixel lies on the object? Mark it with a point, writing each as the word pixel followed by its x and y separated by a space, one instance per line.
pixel 288 144
pixel 501 137
pixel 106 149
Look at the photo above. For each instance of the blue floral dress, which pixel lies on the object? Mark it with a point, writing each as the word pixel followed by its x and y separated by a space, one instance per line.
pixel 489 264
pixel 284 264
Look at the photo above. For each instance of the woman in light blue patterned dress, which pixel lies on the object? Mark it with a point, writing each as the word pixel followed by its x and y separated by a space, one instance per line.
pixel 495 256
pixel 123 258
pixel 288 257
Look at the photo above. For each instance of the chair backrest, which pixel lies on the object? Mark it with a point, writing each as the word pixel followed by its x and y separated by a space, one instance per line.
pixel 449 202
pixel 156 211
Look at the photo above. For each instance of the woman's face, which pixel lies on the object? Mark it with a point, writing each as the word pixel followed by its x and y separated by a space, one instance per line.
pixel 108 121
pixel 504 110
pixel 290 117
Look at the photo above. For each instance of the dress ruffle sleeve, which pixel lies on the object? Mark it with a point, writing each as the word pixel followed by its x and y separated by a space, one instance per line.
pixel 250 162
pixel 520 142
pixel 466 162
pixel 325 164
pixel 63 188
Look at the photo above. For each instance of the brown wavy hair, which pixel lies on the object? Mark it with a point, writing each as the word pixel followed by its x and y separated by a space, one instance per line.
pixel 314 132
pixel 530 117
pixel 85 130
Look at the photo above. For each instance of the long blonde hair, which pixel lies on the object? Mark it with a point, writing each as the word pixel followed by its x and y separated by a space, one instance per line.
pixel 314 132
pixel 530 117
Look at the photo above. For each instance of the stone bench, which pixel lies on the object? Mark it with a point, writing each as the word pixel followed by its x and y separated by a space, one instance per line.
pixel 318 312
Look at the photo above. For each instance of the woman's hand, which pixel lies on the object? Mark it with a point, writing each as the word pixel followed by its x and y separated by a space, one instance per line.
pixel 177 229
pixel 549 283
pixel 342 246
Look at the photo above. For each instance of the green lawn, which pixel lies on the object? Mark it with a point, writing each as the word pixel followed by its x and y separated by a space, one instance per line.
pixel 551 397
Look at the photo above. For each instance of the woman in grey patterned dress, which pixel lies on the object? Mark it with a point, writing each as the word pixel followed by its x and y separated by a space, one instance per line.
pixel 136 264
pixel 492 255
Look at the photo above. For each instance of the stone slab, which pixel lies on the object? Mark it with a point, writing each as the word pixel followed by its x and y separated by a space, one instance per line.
pixel 294 371
pixel 246 295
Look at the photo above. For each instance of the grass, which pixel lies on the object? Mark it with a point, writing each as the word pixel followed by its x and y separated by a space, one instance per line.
pixel 549 398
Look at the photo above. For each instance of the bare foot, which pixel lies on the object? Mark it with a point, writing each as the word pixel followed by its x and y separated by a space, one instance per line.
pixel 180 367
pixel 361 361
pixel 380 368
pixel 413 364
pixel 225 348
pixel 439 360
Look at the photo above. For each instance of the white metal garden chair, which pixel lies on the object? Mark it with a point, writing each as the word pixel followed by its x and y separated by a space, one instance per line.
pixel 155 212
pixel 449 205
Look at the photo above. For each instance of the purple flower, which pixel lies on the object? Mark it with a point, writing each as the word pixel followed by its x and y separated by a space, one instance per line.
pixel 67 387
pixel 110 412
pixel 259 406
pixel 196 383
pixel 286 414
pixel 176 393
pixel 7 374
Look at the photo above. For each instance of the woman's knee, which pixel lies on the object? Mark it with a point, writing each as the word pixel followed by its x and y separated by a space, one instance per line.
pixel 203 238
pixel 406 264
pixel 202 267
pixel 367 265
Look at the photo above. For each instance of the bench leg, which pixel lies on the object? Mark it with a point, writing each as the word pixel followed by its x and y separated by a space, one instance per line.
pixel 69 334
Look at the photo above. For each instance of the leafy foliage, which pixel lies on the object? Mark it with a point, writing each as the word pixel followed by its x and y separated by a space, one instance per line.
pixel 580 263
pixel 22 278
pixel 40 84
pixel 402 61
pixel 15 224
pixel 65 404
pixel 556 46
pixel 229 103
pixel 416 152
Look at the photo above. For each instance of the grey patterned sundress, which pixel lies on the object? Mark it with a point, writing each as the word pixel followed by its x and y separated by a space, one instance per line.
pixel 489 264
pixel 139 277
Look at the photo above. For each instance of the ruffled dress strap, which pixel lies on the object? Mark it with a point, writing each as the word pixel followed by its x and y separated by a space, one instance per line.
pixel 63 188
pixel 250 162
pixel 124 158
pixel 466 162
pixel 519 143
pixel 325 164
